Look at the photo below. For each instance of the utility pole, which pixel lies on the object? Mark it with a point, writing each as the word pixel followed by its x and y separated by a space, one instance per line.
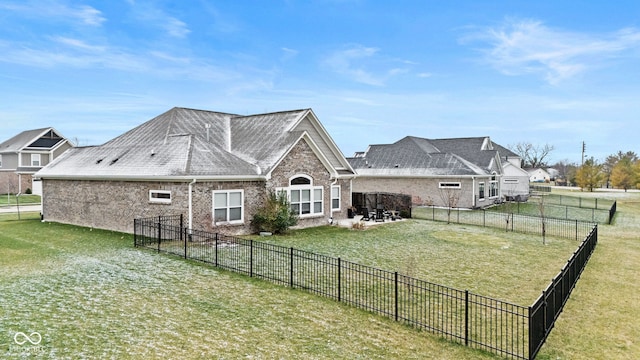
pixel 584 147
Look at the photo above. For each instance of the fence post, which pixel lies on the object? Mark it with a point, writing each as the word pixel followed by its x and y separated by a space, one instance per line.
pixel 216 251
pixel 339 281
pixel 531 344
pixel 513 221
pixel 576 229
pixel 184 237
pixel 250 258
pixel 291 267
pixel 396 290
pixel 135 232
pixel 466 317
pixel 159 233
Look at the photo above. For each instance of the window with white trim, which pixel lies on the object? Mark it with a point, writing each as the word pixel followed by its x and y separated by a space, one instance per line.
pixel 228 206
pixel 481 191
pixel 35 159
pixel 335 197
pixel 449 185
pixel 160 196
pixel 305 199
pixel 493 187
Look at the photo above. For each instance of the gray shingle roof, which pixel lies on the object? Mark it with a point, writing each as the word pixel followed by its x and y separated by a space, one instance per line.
pixel 21 140
pixel 414 156
pixel 187 143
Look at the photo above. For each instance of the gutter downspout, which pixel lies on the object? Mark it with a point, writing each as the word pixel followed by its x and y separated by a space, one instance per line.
pixel 191 205
pixel 473 191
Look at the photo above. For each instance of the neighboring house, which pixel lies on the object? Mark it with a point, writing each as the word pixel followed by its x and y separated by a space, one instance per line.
pixel 514 183
pixel 538 175
pixel 214 168
pixel 24 154
pixel 554 174
pixel 459 172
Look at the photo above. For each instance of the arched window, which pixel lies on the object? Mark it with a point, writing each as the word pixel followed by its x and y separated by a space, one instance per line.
pixel 305 199
pixel 300 180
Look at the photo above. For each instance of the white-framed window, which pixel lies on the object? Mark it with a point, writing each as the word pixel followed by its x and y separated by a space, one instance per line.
pixel 305 199
pixel 35 159
pixel 449 185
pixel 160 196
pixel 228 206
pixel 335 197
pixel 481 191
pixel 493 187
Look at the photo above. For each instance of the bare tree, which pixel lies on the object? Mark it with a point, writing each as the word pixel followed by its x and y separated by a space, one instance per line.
pixel 543 219
pixel 508 205
pixel 450 196
pixel 533 156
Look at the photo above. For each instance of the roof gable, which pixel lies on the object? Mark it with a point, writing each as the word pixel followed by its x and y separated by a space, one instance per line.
pixel 36 139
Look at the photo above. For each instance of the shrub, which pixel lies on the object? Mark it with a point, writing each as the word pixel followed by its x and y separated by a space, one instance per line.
pixel 276 215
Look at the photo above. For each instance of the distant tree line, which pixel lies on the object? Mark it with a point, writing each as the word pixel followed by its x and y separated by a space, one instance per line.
pixel 620 170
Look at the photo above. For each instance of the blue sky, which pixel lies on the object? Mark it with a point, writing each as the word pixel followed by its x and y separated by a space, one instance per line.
pixel 542 72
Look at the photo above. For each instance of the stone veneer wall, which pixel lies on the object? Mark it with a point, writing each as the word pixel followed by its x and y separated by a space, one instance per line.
pixel 114 204
pixel 302 160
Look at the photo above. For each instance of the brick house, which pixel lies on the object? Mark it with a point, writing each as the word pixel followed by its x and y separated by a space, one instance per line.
pixel 457 172
pixel 24 154
pixel 214 168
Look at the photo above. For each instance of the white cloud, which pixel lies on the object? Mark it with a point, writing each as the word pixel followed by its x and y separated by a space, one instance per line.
pixel 349 62
pixel 52 10
pixel 526 46
pixel 150 14
pixel 78 44
pixel 176 28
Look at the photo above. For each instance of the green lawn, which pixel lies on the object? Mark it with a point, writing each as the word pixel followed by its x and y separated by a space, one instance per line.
pixel 24 199
pixel 90 294
pixel 491 262
pixel 570 207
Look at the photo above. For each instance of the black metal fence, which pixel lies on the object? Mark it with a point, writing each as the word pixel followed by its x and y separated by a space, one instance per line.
pixel 599 215
pixel 527 224
pixel 546 309
pixel 458 315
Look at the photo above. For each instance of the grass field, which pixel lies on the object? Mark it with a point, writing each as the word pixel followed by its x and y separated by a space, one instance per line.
pixel 485 261
pixel 24 199
pixel 90 294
